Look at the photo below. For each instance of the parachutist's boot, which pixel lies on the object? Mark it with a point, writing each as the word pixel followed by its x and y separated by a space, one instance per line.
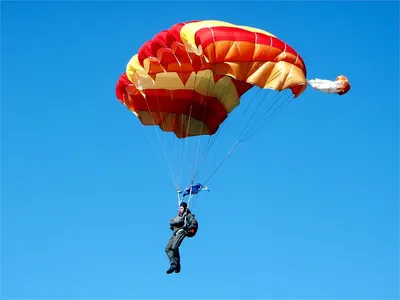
pixel 171 269
pixel 178 268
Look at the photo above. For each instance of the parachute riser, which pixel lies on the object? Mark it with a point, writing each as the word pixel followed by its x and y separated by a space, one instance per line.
pixel 181 199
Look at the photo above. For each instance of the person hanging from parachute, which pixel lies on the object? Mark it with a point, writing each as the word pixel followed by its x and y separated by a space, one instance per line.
pixel 188 79
pixel 182 226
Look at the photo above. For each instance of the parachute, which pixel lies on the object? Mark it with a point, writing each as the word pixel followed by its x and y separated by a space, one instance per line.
pixel 188 81
pixel 340 86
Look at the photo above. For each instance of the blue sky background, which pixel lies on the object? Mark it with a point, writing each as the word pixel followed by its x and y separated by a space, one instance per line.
pixel 306 209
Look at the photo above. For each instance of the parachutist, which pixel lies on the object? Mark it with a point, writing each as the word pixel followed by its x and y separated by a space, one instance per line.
pixel 183 225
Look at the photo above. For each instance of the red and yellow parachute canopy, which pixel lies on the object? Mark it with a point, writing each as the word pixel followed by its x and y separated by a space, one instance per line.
pixel 189 78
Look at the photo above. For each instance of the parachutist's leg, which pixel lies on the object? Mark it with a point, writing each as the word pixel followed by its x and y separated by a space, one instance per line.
pixel 169 251
pixel 178 259
pixel 176 243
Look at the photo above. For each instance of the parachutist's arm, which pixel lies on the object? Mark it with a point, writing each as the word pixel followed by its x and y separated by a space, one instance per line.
pixel 189 221
pixel 177 221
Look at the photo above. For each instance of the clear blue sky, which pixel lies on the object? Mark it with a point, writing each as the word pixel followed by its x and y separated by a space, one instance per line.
pixel 306 209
